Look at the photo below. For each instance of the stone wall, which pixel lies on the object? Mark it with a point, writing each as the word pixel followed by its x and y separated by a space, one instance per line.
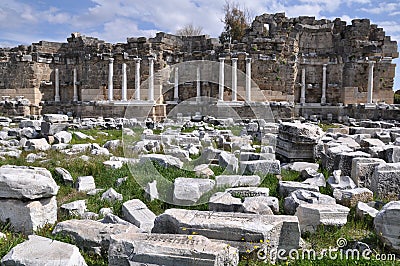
pixel 280 49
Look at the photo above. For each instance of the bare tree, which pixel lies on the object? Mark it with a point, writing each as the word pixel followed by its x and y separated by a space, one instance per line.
pixel 189 30
pixel 236 19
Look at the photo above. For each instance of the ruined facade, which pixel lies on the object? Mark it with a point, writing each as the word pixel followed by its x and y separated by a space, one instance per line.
pixel 300 60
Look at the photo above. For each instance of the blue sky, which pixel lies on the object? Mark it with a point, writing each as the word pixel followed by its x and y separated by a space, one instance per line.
pixel 24 21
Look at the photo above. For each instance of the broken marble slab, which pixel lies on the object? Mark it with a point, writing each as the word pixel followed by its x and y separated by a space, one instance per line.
pixel 55 118
pixel 228 161
pixel 225 202
pixel 203 170
pixel 280 231
pixel 177 152
pixel 257 205
pixel 49 129
pixel 28 216
pixel 313 215
pixel 169 250
pixel 243 192
pixel 390 153
pixel 363 210
pixel 82 136
pixel 92 235
pixel 229 181
pixel 74 208
pixel 300 166
pixel 37 145
pixel 39 251
pixel 113 164
pixel 338 181
pixel 350 197
pixel 387 225
pixel 309 173
pixel 65 176
pixel 163 160
pixel 262 167
pixel 111 195
pixel 300 196
pixel 85 183
pixel 24 182
pixel 253 156
pixel 188 191
pixel 137 213
pixel 151 191
pixel 287 187
pixel 63 137
pixel 362 170
pixel 386 180
pixel 343 161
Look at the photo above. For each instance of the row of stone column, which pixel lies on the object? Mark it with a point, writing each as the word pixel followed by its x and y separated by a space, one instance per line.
pixel 57 97
pixel 221 81
pixel 110 95
pixel 125 82
pixel 124 86
pixel 303 85
pixel 323 97
pixel 234 79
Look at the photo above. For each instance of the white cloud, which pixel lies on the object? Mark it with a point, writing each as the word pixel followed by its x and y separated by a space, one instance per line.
pixel 125 28
pixel 391 28
pixel 350 2
pixel 382 8
pixel 305 10
pixel 329 5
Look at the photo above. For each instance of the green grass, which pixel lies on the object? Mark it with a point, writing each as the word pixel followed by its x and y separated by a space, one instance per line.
pixel 396 98
pixel 236 130
pixel 12 239
pixel 325 127
pixel 98 136
pixel 188 129
pixel 139 176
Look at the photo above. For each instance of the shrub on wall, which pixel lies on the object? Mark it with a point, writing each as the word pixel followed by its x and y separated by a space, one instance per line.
pixel 397 97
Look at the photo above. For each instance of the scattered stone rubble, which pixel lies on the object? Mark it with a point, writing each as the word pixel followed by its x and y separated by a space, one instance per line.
pixel 240 213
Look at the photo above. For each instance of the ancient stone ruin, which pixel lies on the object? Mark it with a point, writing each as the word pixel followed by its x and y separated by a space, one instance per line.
pixel 294 134
pixel 298 60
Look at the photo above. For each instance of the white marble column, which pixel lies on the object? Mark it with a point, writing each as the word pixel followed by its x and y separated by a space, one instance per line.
pixel 303 86
pixel 151 79
pixel 137 79
pixel 57 85
pixel 234 79
pixel 110 79
pixel 176 85
pixel 248 79
pixel 323 98
pixel 198 92
pixel 370 82
pixel 124 83
pixel 75 97
pixel 221 78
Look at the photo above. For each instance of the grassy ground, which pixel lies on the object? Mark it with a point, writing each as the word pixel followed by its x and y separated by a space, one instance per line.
pixel 106 178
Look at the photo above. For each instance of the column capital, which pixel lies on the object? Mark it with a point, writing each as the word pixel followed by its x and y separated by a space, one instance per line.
pixel 248 60
pixel 221 59
pixel 371 63
pixel 324 65
pixel 111 60
pixel 234 59
pixel 137 59
pixel 152 59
